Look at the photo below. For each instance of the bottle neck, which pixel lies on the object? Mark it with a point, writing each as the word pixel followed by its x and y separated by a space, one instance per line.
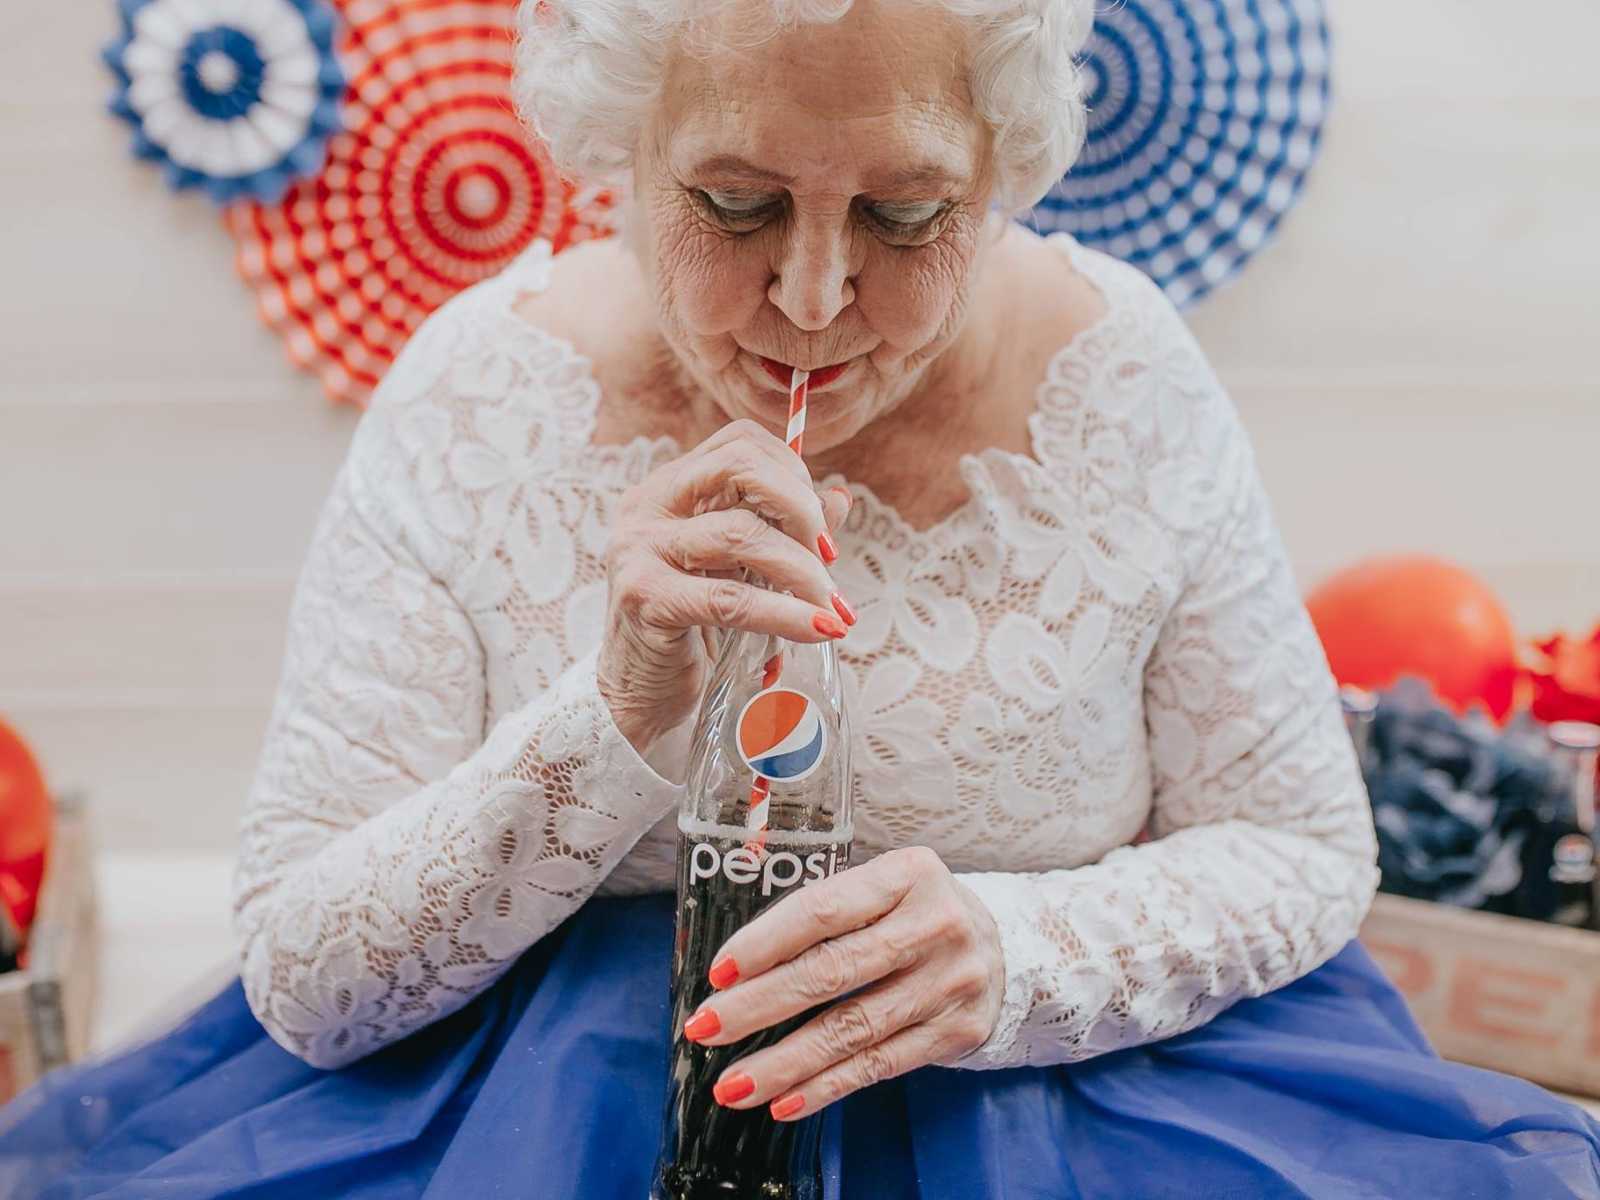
pixel 1583 789
pixel 1577 748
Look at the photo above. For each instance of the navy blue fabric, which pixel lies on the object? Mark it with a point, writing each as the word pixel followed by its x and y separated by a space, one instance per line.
pixel 549 1085
pixel 1467 812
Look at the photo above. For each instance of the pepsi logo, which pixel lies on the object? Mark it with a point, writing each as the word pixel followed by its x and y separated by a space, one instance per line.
pixel 782 735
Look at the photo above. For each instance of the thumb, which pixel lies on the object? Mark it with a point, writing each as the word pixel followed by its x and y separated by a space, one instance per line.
pixel 836 502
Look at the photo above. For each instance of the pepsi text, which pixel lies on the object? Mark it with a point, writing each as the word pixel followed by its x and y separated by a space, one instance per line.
pixel 782 868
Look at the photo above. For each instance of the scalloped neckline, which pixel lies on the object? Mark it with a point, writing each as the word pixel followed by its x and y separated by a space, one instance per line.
pixel 613 457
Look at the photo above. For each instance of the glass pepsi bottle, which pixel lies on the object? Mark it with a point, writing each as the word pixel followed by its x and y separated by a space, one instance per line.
pixel 1360 708
pixel 766 810
pixel 1568 847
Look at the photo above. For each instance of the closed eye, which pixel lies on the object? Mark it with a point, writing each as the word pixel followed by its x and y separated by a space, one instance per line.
pixel 907 214
pixel 745 211
pixel 734 208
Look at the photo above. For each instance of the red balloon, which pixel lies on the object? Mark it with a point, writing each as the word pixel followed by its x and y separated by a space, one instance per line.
pixel 1415 615
pixel 25 816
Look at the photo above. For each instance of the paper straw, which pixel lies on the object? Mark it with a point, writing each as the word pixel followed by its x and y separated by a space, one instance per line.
pixel 760 789
pixel 797 408
pixel 756 823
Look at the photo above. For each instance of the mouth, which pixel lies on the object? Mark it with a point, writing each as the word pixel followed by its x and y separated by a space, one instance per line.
pixel 820 378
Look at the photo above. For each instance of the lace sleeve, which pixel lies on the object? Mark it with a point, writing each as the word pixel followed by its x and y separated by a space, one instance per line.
pixel 1261 867
pixel 395 859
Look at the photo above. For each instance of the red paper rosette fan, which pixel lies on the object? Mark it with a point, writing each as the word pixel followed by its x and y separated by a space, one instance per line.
pixel 432 186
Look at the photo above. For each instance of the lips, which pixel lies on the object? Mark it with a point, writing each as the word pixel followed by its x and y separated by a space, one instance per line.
pixel 821 377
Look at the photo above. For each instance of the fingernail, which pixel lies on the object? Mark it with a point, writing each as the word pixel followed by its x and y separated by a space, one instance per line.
pixel 733 1089
pixel 827 625
pixel 849 500
pixel 772 670
pixel 826 547
pixel 724 973
pixel 703 1024
pixel 788 1106
pixel 842 607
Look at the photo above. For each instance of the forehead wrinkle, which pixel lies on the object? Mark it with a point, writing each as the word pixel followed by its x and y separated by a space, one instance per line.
pixel 732 166
pixel 914 145
pixel 873 96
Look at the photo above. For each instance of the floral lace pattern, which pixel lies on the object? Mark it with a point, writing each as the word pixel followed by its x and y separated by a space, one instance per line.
pixel 1103 640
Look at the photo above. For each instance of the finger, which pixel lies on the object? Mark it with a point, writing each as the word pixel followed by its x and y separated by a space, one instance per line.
pixel 833 1036
pixel 739 475
pixel 732 538
pixel 913 1046
pixel 760 438
pixel 770 450
pixel 683 601
pixel 823 972
pixel 905 1051
pixel 828 908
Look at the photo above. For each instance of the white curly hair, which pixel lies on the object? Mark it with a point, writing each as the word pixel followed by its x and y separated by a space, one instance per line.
pixel 589 71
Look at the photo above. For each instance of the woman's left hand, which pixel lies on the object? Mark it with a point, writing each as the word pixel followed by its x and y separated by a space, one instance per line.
pixel 920 945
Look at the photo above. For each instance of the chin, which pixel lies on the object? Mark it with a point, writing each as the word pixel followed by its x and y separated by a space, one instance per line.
pixel 775 420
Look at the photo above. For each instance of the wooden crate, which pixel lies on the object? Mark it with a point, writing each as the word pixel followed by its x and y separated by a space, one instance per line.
pixel 45 1011
pixel 1516 996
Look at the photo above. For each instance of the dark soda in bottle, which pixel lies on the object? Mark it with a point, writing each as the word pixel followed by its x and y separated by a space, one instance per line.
pixel 766 810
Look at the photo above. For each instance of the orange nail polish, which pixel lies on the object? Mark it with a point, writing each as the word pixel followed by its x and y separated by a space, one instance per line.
pixel 733 1089
pixel 724 973
pixel 849 500
pixel 827 625
pixel 842 607
pixel 827 547
pixel 788 1106
pixel 703 1024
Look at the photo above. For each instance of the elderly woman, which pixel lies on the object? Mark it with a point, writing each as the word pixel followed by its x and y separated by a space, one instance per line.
pixel 1103 788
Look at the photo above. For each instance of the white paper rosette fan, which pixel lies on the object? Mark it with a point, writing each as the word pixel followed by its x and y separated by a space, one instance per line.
pixel 236 97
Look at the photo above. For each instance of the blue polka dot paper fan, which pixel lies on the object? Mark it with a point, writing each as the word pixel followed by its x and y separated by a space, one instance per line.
pixel 1204 117
pixel 237 97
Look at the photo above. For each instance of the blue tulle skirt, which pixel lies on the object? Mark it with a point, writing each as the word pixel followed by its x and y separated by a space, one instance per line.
pixel 550 1085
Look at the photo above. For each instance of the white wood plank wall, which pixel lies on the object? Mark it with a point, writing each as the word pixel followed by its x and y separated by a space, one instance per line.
pixel 1415 355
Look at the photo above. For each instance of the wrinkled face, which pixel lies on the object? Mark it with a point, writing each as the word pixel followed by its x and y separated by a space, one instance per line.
pixel 815 201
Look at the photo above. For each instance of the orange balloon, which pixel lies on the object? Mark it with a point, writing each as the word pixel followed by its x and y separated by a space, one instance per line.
pixel 25 816
pixel 1415 615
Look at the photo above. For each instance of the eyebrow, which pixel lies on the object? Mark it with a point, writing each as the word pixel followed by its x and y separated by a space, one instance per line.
pixel 732 164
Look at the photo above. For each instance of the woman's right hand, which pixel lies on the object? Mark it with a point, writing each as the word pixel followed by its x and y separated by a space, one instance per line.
pixel 682 540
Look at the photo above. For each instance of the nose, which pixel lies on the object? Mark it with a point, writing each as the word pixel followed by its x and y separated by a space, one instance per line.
pixel 811 283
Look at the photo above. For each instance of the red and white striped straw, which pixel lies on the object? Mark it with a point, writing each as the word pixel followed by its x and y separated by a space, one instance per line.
pixel 756 822
pixel 797 408
pixel 760 789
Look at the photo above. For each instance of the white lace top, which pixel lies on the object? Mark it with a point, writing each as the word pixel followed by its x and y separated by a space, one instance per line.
pixel 1104 639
